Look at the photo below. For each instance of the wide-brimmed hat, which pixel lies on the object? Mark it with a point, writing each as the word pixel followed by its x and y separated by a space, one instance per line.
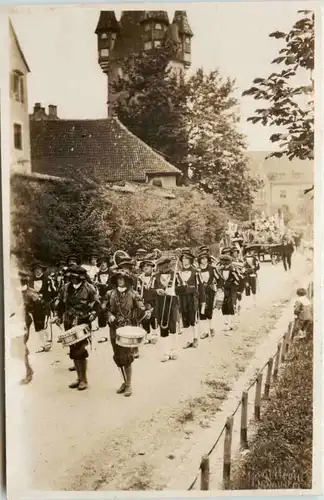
pixel 146 262
pixel 121 273
pixel 203 248
pixel 249 247
pixel 163 261
pixel 202 255
pixel 141 251
pixel 125 261
pixel 187 254
pixel 225 250
pixel 38 265
pixel 73 257
pixel 77 271
pixel 235 249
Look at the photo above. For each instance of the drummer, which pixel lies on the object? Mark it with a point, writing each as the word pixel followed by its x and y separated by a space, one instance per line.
pixel 123 307
pixel 79 303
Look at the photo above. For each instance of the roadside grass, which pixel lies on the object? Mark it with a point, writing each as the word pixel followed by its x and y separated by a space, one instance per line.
pixel 280 455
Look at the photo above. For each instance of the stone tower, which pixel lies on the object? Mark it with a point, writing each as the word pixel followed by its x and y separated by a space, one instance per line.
pixel 139 31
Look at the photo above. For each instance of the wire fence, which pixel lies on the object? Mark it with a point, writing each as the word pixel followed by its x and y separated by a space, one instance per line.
pixel 272 366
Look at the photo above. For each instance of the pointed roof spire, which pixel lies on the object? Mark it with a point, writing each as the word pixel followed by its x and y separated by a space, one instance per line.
pixel 156 15
pixel 180 18
pixel 107 22
pixel 173 33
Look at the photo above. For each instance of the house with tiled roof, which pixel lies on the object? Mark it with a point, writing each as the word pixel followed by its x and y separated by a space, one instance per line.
pixel 285 182
pixel 103 150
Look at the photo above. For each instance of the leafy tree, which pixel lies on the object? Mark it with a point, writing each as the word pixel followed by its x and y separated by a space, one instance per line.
pixel 151 102
pixel 50 220
pixel 290 107
pixel 216 148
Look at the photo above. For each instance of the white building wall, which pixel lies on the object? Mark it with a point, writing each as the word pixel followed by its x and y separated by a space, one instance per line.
pixel 20 158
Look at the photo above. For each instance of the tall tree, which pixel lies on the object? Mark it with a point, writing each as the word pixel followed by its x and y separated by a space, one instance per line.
pixel 216 148
pixel 290 106
pixel 152 102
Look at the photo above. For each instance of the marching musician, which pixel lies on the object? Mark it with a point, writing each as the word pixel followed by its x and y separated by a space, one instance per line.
pixel 79 303
pixel 191 293
pixel 251 268
pixel 228 281
pixel 102 284
pixel 147 293
pixel 92 269
pixel 167 307
pixel 44 286
pixel 208 278
pixel 238 263
pixel 123 307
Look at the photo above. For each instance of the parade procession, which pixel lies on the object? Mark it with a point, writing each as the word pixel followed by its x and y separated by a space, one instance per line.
pixel 172 301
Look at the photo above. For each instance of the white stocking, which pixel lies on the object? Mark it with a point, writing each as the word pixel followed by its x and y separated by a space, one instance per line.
pixel 204 326
pixel 195 331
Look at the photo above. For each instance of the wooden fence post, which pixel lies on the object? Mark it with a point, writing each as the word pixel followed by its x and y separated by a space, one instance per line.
pixel 268 379
pixel 277 362
pixel 227 452
pixel 288 337
pixel 283 348
pixel 257 402
pixel 244 420
pixel 204 475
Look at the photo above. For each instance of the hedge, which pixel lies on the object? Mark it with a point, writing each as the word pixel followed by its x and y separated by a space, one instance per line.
pixel 50 220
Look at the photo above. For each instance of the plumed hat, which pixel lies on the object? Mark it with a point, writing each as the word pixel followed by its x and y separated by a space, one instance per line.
pixel 121 273
pixel 77 271
pixel 146 262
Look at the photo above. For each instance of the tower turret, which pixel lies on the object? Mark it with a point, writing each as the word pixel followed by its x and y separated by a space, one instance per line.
pixel 155 24
pixel 106 31
pixel 185 35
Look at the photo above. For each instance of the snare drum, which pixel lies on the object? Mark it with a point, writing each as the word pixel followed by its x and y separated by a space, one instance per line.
pixel 130 336
pixel 74 335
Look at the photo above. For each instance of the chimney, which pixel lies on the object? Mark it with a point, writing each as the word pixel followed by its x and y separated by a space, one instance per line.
pixel 52 111
pixel 37 107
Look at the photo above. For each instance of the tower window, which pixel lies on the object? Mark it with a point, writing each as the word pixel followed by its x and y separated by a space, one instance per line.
pixel 104 36
pixel 104 53
pixel 157 43
pixel 283 194
pixel 147 27
pixel 17 136
pixel 158 26
pixel 17 86
pixel 148 45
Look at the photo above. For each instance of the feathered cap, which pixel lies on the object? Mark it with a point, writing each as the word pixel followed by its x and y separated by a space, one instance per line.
pixel 121 273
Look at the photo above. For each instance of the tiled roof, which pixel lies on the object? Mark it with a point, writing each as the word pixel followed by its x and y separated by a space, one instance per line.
pixel 180 18
pixel 102 148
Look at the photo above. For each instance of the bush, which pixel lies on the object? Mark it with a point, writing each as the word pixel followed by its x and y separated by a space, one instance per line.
pixel 281 454
pixel 51 220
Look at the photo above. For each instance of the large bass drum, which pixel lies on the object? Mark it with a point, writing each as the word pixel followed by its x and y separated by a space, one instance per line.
pixel 130 336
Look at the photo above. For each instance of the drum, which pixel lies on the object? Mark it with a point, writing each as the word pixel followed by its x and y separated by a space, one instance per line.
pixel 74 335
pixel 219 298
pixel 130 336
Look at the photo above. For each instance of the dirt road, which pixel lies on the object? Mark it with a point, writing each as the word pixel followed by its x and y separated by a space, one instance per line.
pixel 98 440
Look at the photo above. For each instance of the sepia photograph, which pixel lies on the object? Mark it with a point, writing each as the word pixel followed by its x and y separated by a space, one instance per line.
pixel 158 179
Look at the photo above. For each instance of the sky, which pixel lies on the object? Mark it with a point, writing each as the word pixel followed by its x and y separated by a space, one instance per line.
pixel 60 46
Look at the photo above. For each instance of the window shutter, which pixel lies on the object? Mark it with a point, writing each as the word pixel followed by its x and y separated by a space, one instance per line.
pixel 22 93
